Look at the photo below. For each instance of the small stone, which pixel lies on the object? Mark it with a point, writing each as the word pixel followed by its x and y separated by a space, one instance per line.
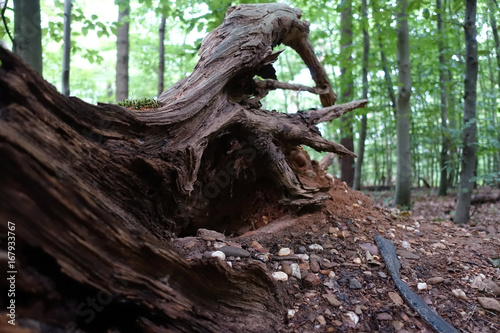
pixel 332 300
pixel 210 235
pixel 371 248
pixel 218 245
pixel 382 275
pixel 435 280
pixel 489 303
pixel 395 298
pixel 477 283
pixel 459 293
pixel 218 254
pixel 232 251
pixel 258 247
pixel 287 268
pixel 302 249
pixel 358 310
pixel 314 267
pixel 316 247
pixel 350 318
pixel 384 316
pixel 439 246
pixel 408 254
pixel 333 230
pixel 296 271
pixel 284 252
pixel 331 275
pixel 492 287
pixel 290 313
pixel 303 257
pixel 280 276
pixel 312 280
pixel 398 326
pixel 355 284
pixel 421 286
pixel 344 234
pixel 321 320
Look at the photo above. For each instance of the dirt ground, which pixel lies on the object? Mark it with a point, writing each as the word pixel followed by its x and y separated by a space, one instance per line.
pixel 341 284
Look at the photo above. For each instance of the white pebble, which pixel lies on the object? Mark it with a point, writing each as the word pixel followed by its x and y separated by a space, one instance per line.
pixel 459 293
pixel 290 313
pixel 280 276
pixel 331 275
pixel 284 252
pixel 219 254
pixel 296 271
pixel 303 257
pixel 422 286
pixel 316 247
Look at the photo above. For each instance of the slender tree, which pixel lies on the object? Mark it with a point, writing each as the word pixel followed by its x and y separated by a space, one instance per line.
pixel 122 46
pixel 468 163
pixel 402 196
pixel 28 32
pixel 443 85
pixel 494 29
pixel 346 78
pixel 364 120
pixel 161 62
pixel 66 47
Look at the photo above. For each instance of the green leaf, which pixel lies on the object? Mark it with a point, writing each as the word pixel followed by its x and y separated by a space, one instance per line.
pixel 426 13
pixel 94 17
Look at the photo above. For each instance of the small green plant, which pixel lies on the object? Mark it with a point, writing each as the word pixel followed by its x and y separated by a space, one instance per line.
pixel 139 104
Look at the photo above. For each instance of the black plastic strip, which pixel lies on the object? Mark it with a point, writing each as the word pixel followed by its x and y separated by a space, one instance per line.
pixel 388 252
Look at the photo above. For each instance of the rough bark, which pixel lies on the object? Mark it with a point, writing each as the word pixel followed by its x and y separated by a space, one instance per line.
pixel 443 82
pixel 122 51
pixel 347 85
pixel 364 118
pixel 493 10
pixel 28 32
pixel 96 192
pixel 161 60
pixel 469 141
pixel 66 47
pixel 402 196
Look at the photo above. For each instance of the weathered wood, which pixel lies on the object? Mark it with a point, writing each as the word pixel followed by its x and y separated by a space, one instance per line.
pixel 97 192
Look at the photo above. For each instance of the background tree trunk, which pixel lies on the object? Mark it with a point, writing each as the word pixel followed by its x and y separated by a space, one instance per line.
pixel 346 84
pixel 97 192
pixel 161 60
pixel 364 119
pixel 28 33
pixel 493 22
pixel 122 46
pixel 468 162
pixel 443 82
pixel 66 47
pixel 402 196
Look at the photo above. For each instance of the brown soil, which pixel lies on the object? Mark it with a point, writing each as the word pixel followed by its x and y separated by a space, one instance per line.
pixel 435 248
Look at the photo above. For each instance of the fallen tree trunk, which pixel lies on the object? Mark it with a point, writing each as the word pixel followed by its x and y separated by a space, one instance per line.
pixel 96 192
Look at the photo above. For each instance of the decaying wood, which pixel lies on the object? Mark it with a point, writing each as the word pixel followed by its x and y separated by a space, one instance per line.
pixel 97 192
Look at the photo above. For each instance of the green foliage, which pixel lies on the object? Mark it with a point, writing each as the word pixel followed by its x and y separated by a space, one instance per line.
pixel 139 104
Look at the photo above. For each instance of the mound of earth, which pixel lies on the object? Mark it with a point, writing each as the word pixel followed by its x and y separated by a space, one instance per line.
pixel 335 279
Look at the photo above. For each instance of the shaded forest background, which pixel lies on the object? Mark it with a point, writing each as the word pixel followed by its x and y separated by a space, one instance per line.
pixel 437 69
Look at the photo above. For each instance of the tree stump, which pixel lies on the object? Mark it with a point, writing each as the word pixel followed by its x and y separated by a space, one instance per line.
pixel 97 192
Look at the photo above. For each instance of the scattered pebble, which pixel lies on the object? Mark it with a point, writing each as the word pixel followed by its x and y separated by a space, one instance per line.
pixel 314 266
pixel 218 254
pixel 232 251
pixel 350 318
pixel 321 320
pixel 316 247
pixel 312 280
pixel 395 298
pixel 284 252
pixel 435 280
pixel 210 235
pixel 290 313
pixel 421 286
pixel 332 300
pixel 384 316
pixel 489 303
pixel 296 271
pixel 280 276
pixel 287 268
pixel 492 288
pixel 398 326
pixel 439 246
pixel 408 254
pixel 303 257
pixel 258 247
pixel 459 293
pixel 355 284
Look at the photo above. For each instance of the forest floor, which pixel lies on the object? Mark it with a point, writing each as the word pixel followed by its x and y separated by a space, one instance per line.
pixel 341 284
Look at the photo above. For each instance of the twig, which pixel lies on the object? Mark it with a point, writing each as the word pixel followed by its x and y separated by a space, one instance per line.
pixel 4 8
